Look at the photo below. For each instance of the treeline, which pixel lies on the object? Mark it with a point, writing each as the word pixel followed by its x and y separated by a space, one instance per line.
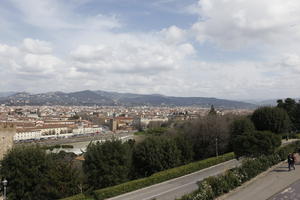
pixel 114 162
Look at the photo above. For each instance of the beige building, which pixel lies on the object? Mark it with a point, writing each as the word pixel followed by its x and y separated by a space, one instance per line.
pixel 7 132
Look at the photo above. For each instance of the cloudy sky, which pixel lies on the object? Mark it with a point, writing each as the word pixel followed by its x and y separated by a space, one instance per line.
pixel 233 49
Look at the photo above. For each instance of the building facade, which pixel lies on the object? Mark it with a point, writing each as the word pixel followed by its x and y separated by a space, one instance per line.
pixel 7 132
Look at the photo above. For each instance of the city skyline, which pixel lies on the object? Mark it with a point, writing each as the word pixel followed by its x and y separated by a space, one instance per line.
pixel 208 48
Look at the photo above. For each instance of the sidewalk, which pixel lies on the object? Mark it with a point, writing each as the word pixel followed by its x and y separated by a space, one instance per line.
pixel 266 184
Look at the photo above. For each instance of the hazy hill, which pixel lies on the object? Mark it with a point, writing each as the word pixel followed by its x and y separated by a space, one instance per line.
pixel 88 97
pixel 6 94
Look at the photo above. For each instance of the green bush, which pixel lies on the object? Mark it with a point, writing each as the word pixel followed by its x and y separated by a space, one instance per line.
pixel 215 186
pixel 67 146
pixel 155 178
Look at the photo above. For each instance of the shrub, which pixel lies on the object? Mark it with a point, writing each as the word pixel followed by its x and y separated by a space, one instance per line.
pixel 67 146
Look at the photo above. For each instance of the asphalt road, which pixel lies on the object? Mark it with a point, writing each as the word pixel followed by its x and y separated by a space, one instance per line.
pixel 178 187
pixel 291 192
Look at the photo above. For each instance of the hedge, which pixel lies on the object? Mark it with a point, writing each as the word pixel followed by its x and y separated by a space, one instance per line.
pixel 153 179
pixel 215 186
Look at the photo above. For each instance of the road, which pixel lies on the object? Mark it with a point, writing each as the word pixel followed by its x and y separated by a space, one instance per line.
pixel 291 192
pixel 178 187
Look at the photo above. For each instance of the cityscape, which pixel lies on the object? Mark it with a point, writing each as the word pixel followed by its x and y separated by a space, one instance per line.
pixel 149 100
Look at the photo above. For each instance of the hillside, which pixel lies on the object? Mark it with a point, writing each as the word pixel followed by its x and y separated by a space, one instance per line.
pixel 104 98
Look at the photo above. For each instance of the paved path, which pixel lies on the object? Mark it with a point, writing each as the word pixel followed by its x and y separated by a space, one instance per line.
pixel 178 187
pixel 291 192
pixel 266 184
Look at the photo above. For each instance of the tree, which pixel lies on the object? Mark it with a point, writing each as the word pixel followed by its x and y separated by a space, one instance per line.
pixel 241 126
pixel 107 163
pixel 155 154
pixel 238 127
pixel 293 110
pixel 207 132
pixel 256 143
pixel 272 119
pixel 185 147
pixel 33 174
pixel 63 181
pixel 25 169
pixel 212 110
pixel 288 104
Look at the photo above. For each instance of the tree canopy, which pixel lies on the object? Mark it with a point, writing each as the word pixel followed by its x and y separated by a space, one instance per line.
pixel 107 163
pixel 272 119
pixel 293 110
pixel 155 154
pixel 33 174
pixel 256 143
pixel 241 127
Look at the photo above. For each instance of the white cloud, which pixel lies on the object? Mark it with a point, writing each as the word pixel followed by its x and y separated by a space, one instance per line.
pixel 145 54
pixel 37 46
pixel 174 35
pixel 58 15
pixel 30 59
pixel 242 23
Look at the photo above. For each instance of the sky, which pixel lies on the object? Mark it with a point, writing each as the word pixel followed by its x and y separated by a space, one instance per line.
pixel 232 49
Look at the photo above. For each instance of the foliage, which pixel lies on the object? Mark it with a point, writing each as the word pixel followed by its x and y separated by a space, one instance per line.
pixel 155 154
pixel 255 143
pixel 205 131
pixel 67 146
pixel 64 180
pixel 212 110
pixel 293 110
pixel 155 178
pixel 33 174
pixel 153 131
pixel 272 119
pixel 185 147
pixel 241 126
pixel 107 163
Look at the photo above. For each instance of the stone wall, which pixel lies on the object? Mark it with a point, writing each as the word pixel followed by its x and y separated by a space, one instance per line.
pixel 7 132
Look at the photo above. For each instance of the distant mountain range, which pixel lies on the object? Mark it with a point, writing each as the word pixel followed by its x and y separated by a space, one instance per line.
pixel 6 94
pixel 90 98
pixel 267 102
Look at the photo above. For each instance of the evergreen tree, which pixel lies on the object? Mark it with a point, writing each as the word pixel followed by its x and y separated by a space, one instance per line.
pixel 293 110
pixel 107 163
pixel 155 154
pixel 212 110
pixel 33 174
pixel 256 143
pixel 272 119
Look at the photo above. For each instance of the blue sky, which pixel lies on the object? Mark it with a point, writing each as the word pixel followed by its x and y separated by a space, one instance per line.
pixel 234 49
